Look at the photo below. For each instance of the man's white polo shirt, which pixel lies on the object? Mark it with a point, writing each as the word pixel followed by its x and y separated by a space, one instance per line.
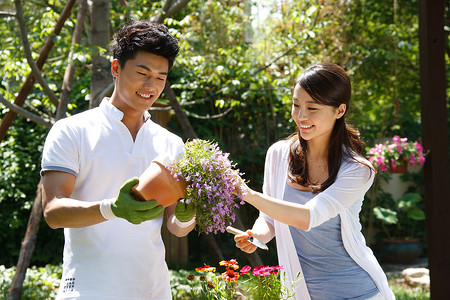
pixel 114 259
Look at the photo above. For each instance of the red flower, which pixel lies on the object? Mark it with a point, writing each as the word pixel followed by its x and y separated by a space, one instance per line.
pixel 261 271
pixel 190 277
pixel 275 269
pixel 205 268
pixel 230 275
pixel 245 270
pixel 232 263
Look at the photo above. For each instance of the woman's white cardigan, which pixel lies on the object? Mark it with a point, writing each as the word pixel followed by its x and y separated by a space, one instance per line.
pixel 343 197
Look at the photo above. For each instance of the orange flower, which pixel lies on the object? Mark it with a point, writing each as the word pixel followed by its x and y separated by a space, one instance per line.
pixel 190 277
pixel 211 285
pixel 230 275
pixel 232 263
pixel 205 268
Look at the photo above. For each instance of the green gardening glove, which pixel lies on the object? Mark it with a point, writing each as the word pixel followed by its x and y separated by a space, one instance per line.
pixel 136 212
pixel 185 212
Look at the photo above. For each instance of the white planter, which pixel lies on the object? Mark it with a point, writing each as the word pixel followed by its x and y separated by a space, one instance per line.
pixel 397 187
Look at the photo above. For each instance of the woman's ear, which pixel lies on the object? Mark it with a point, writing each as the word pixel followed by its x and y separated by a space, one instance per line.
pixel 115 68
pixel 341 110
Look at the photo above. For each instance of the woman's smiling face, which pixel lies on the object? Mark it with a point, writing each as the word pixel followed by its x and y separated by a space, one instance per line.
pixel 140 82
pixel 314 120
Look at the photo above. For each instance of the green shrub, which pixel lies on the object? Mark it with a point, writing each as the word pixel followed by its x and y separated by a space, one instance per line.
pixel 404 292
pixel 40 282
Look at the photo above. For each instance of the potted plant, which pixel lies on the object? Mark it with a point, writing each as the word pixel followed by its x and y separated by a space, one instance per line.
pixel 156 183
pixel 204 176
pixel 402 224
pixel 396 154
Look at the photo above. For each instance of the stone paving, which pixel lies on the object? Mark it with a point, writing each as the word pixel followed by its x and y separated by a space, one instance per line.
pixel 412 275
pixel 395 270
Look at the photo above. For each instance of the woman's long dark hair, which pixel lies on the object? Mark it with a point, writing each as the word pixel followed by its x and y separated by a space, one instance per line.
pixel 328 84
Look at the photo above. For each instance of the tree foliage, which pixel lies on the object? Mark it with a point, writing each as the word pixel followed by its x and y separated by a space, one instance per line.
pixel 233 78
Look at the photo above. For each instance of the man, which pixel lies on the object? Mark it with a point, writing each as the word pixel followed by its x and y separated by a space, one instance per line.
pixel 113 247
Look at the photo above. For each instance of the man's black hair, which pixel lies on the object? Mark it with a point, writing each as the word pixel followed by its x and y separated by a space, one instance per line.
pixel 145 36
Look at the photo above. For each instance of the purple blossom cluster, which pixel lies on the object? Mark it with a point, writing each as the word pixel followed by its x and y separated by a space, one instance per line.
pixel 396 152
pixel 213 183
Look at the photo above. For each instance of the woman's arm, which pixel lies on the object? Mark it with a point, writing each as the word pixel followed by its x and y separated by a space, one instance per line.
pixel 352 182
pixel 275 174
pixel 283 211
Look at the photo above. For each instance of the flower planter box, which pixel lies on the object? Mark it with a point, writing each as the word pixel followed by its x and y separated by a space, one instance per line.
pixel 398 169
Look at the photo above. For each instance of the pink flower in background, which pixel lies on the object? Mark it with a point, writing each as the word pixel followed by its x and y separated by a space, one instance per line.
pixel 395 152
pixel 421 159
pixel 396 139
pixel 245 270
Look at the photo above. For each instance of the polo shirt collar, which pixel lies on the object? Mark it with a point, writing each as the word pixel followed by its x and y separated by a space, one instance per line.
pixel 114 112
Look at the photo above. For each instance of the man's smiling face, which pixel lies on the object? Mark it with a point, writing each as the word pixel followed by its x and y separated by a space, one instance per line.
pixel 140 82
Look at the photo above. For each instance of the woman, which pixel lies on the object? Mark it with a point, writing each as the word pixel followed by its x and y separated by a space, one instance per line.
pixel 314 185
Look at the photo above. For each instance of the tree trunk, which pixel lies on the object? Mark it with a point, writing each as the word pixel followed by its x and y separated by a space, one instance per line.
pixel 28 244
pixel 100 37
pixel 29 56
pixel 66 91
pixel 170 8
pixel 370 230
pixel 181 116
pixel 436 171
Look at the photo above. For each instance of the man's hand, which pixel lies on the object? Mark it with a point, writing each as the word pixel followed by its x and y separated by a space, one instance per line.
pixel 185 212
pixel 136 212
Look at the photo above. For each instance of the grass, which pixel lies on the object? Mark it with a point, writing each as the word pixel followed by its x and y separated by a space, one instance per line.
pixel 404 292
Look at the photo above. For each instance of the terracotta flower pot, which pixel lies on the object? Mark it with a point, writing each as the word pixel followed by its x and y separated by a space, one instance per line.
pixel 156 183
pixel 398 169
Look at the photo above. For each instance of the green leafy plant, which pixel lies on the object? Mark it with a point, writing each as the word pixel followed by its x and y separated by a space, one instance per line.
pixel 401 221
pixel 40 282
pixel 265 283
pixel 213 183
pixel 205 286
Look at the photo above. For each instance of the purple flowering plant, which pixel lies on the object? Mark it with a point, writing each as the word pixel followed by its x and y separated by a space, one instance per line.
pixel 213 184
pixel 395 152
